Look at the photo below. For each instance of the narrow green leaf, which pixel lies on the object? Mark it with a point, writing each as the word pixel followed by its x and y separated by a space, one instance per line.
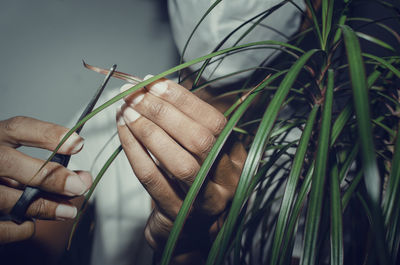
pixel 351 190
pixel 350 157
pixel 337 256
pixel 91 190
pixel 317 188
pixel 384 63
pixel 361 103
pixel 327 11
pixel 291 185
pixel 192 33
pixel 263 15
pixel 375 41
pixel 383 126
pixel 287 242
pixel 201 175
pixel 250 29
pixel 340 122
pixel 377 23
pixel 255 153
pixel 342 21
pixel 316 24
pixel 391 202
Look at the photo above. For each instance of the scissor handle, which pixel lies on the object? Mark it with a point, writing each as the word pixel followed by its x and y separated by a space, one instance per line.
pixel 17 213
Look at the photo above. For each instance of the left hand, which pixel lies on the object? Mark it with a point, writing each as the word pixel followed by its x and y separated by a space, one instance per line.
pixel 178 129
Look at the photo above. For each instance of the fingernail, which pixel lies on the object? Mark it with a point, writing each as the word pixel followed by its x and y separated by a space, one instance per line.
pixel 120 119
pixel 74 185
pixel 64 211
pixel 73 144
pixel 135 97
pixel 148 77
pixel 159 87
pixel 130 115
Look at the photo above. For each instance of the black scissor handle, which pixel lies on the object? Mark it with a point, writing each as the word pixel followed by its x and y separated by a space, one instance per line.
pixel 17 213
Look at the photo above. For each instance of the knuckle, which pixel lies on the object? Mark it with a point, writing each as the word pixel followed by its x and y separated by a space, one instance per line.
pixel 220 123
pixel 157 229
pixel 6 160
pixel 161 224
pixel 181 99
pixel 158 110
pixel 127 142
pixel 50 176
pixel 52 136
pixel 187 171
pixel 6 236
pixel 13 124
pixel 205 143
pixel 40 208
pixel 147 130
pixel 149 237
pixel 148 178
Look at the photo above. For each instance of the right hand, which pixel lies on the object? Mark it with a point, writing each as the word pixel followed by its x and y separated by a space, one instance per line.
pixel 17 170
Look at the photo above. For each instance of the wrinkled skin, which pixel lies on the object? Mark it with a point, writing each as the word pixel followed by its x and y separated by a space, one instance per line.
pixel 166 132
pixel 17 170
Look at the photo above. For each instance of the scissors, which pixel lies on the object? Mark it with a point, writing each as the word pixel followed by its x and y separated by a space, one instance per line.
pixel 17 213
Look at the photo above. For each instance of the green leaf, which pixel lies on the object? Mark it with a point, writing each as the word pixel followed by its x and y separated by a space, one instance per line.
pixel 384 63
pixel 341 122
pixel 316 24
pixel 375 40
pixel 192 33
pixel 370 168
pixel 204 169
pixel 287 242
pixel 91 190
pixel 291 185
pixel 351 190
pixel 262 16
pixel 391 202
pixel 327 10
pixel 255 154
pixel 317 188
pixel 337 256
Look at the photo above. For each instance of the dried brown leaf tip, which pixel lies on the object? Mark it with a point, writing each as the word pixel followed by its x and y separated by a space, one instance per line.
pixel 120 75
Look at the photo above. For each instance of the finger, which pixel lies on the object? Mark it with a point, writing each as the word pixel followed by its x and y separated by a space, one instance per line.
pixel 41 208
pixel 12 232
pixel 196 138
pixel 157 229
pixel 18 131
pixel 176 160
pixel 159 187
pixel 53 177
pixel 11 183
pixel 188 103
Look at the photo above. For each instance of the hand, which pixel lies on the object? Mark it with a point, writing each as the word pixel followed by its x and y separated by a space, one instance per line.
pixel 167 132
pixel 17 170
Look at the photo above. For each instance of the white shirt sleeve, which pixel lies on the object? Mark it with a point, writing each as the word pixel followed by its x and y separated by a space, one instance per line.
pixel 224 18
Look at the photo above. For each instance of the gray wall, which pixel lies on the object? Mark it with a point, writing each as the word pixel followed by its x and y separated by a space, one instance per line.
pixel 43 42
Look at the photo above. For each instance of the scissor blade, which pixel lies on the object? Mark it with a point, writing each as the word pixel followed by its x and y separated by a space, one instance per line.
pixel 96 96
